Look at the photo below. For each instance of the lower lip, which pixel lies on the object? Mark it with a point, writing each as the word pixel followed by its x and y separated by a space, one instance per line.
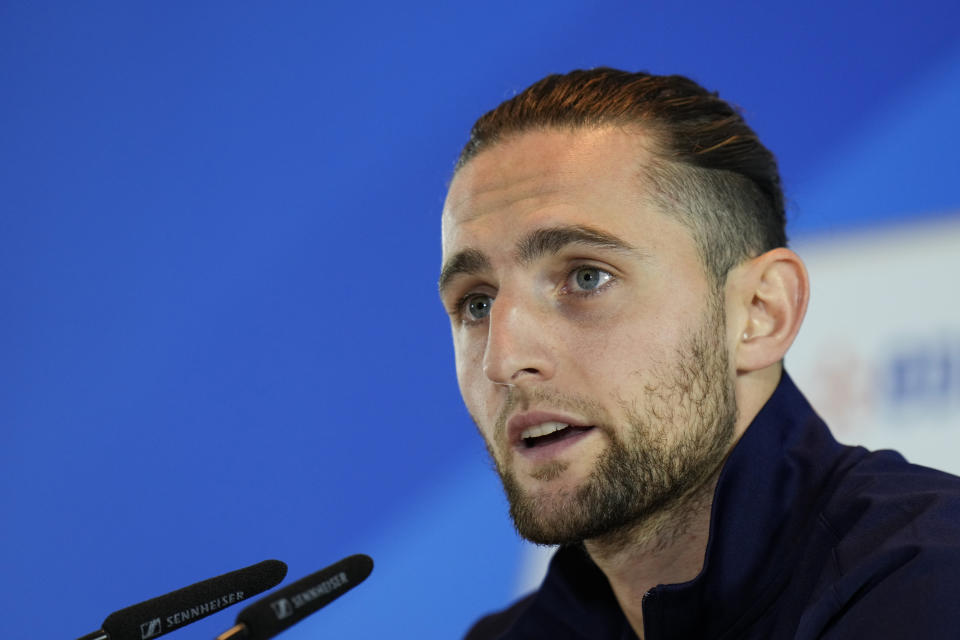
pixel 546 452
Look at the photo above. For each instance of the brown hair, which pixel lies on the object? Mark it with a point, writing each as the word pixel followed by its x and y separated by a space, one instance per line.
pixel 710 168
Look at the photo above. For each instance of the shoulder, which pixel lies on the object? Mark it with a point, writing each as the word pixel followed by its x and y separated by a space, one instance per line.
pixel 494 625
pixel 884 500
pixel 896 557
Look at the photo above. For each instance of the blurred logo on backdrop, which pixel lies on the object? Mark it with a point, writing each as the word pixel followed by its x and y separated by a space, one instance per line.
pixel 879 352
pixel 913 378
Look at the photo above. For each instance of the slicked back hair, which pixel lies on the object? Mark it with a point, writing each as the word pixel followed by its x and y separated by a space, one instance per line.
pixel 709 167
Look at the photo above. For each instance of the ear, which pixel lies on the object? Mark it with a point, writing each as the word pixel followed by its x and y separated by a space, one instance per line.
pixel 767 299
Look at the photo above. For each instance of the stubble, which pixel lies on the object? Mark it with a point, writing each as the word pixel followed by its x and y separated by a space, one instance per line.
pixel 679 429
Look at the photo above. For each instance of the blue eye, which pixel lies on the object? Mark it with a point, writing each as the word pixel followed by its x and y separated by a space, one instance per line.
pixel 478 306
pixel 590 278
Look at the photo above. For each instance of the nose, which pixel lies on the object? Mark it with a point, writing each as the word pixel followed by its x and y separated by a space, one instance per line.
pixel 518 345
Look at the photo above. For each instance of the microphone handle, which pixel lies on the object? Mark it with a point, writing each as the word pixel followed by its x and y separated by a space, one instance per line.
pixel 236 632
pixel 99 634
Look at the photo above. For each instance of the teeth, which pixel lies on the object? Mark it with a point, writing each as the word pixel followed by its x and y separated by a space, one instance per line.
pixel 542 429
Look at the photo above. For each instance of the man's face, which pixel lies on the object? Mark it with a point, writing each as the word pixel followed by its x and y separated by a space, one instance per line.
pixel 590 346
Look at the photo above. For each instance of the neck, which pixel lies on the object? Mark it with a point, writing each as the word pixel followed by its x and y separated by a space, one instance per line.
pixel 666 548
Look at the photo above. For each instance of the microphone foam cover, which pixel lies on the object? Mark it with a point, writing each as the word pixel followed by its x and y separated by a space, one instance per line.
pixel 283 608
pixel 167 613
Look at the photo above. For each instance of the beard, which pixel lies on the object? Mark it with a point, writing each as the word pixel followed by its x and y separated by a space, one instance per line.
pixel 678 433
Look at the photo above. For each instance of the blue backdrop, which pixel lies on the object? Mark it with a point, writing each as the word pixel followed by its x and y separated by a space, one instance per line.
pixel 219 242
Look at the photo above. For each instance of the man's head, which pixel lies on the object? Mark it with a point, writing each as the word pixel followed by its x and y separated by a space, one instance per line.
pixel 602 320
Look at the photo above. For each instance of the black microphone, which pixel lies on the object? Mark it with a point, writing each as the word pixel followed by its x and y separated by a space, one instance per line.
pixel 153 618
pixel 283 608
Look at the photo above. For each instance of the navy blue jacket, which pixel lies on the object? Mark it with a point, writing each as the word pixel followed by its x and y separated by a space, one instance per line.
pixel 808 539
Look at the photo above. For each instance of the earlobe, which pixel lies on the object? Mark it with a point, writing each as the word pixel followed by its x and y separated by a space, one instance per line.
pixel 772 291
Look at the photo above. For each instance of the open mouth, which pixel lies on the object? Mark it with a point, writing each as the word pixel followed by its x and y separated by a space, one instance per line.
pixel 549 432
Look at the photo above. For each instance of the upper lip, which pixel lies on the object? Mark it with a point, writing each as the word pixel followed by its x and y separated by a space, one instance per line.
pixel 517 423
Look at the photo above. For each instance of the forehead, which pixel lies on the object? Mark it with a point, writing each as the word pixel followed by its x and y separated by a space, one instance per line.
pixel 537 163
pixel 591 177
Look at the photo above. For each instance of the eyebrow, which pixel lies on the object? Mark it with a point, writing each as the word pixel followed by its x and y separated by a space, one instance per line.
pixel 466 262
pixel 541 242
pixel 536 244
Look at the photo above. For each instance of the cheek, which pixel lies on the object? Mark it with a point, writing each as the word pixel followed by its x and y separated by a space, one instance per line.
pixel 612 356
pixel 468 355
pixel 627 343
